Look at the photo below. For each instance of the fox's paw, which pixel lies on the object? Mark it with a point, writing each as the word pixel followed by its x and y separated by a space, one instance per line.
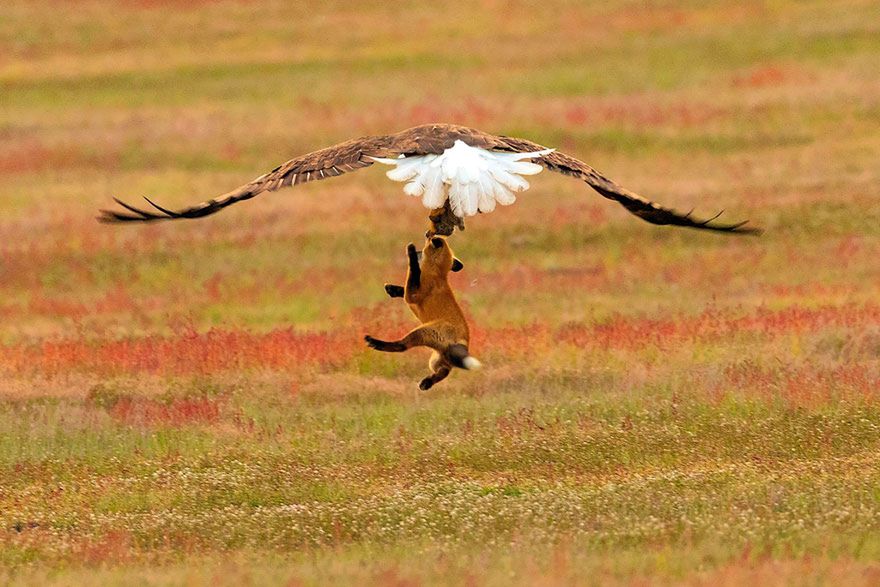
pixel 426 384
pixel 411 249
pixel 394 291
pixel 373 343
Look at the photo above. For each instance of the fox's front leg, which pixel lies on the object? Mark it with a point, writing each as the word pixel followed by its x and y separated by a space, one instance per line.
pixel 394 291
pixel 414 274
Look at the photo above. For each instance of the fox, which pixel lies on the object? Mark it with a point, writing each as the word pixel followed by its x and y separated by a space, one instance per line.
pixel 431 299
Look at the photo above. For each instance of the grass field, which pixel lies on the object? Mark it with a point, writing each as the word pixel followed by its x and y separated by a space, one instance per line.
pixel 193 403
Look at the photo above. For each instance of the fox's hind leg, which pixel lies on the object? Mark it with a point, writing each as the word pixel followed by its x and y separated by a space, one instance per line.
pixel 421 336
pixel 396 346
pixel 436 377
pixel 440 370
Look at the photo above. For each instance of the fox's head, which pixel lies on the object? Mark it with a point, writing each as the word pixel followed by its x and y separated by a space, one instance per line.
pixel 437 253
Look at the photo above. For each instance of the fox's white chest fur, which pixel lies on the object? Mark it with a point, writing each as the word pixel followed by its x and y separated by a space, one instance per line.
pixel 472 179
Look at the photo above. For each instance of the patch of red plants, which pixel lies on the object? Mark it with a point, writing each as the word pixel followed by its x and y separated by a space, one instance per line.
pixel 55 306
pixel 469 111
pixel 510 341
pixel 809 290
pixel 221 287
pixel 114 546
pixel 768 76
pixel 216 350
pixel 383 320
pixel 170 4
pixel 145 412
pixel 188 353
pixel 641 114
pixel 117 299
pixel 627 332
pixel 807 385
pixel 635 17
pixel 524 277
pixel 36 157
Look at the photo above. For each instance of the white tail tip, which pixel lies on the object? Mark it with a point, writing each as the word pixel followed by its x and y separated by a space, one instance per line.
pixel 470 363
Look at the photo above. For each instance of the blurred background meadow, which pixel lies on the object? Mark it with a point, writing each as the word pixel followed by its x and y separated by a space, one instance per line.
pixel 192 402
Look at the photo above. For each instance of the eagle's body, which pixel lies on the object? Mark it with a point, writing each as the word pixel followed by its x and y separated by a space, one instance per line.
pixel 471 179
pixel 457 171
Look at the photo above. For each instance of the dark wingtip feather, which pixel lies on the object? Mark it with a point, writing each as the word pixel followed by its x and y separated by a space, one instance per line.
pixel 112 216
pixel 741 228
pixel 140 213
pixel 165 211
pixel 738 228
pixel 137 215
pixel 106 217
pixel 706 222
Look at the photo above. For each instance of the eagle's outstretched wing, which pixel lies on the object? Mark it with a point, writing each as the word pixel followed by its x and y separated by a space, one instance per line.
pixel 433 139
pixel 328 162
pixel 633 202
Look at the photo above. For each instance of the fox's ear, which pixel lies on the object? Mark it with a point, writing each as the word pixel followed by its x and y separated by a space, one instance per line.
pixel 437 242
pixel 457 265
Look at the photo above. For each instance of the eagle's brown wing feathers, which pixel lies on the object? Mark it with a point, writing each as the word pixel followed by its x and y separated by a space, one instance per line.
pixel 329 162
pixel 633 202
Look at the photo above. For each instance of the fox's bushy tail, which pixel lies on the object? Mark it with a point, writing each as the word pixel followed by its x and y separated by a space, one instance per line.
pixel 461 358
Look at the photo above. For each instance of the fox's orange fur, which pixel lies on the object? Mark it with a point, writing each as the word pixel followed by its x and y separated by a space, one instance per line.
pixel 430 297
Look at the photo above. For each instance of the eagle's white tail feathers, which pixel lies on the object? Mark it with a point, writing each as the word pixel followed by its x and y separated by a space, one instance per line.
pixel 473 179
pixel 471 363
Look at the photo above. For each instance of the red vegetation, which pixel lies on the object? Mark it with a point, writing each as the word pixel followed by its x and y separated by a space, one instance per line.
pixel 641 114
pixel 189 353
pixel 523 277
pixel 809 290
pixel 807 385
pixel 769 76
pixel 115 545
pixel 115 300
pixel 469 111
pixel 223 287
pixel 510 341
pixel 180 5
pixel 382 319
pixel 638 17
pixel 626 332
pixel 53 306
pixel 33 157
pixel 180 412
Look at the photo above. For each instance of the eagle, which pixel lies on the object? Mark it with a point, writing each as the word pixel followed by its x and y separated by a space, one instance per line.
pixel 456 171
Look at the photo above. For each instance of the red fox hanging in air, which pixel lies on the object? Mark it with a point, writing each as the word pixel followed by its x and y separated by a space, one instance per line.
pixel 431 299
